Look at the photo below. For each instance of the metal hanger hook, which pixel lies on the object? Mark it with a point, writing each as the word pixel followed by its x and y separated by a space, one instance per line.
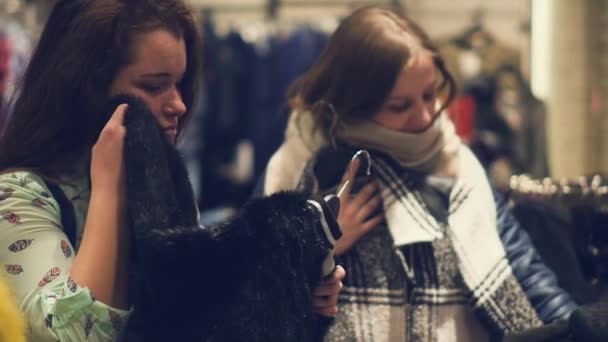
pixel 368 168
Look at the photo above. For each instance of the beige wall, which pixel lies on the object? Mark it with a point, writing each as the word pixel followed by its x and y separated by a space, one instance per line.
pixel 568 88
pixel 448 17
pixel 597 40
pixel 577 89
pixel 575 45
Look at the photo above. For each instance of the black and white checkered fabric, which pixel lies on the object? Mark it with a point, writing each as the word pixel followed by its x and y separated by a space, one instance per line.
pixel 413 272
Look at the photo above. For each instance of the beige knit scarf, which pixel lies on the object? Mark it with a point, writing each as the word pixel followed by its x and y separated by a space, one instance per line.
pixel 433 151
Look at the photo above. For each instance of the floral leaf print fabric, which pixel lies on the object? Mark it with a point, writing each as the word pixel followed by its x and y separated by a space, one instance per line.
pixel 37 202
pixel 35 259
pixel 13 269
pixel 6 193
pixel 49 321
pixel 50 276
pixel 66 249
pixel 12 218
pixel 20 245
pixel 72 285
pixel 88 325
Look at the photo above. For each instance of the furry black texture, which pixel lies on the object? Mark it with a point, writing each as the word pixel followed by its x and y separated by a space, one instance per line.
pixel 249 279
pixel 588 323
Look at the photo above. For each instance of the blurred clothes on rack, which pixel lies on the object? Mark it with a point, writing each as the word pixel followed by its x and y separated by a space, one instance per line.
pixel 5 56
pixel 15 50
pixel 495 111
pixel 243 115
pixel 476 52
pixel 568 223
pixel 510 126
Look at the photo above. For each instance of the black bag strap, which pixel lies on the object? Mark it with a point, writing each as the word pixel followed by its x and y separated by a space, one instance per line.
pixel 68 218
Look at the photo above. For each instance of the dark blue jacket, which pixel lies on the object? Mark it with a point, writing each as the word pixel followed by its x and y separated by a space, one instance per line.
pixel 537 280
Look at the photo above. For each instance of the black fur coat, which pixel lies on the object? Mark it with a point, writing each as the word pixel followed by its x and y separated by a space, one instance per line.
pixel 249 279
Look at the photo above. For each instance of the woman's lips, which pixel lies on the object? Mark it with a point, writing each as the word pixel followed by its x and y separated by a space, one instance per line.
pixel 170 131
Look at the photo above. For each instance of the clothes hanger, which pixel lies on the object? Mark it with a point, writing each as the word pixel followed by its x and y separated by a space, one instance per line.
pixel 588 191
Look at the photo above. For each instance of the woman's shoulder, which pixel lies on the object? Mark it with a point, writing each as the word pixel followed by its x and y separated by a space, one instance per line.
pixel 22 181
pixel 24 186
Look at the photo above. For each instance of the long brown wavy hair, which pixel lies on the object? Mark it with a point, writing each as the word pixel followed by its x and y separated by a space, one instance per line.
pixel 56 115
pixel 357 70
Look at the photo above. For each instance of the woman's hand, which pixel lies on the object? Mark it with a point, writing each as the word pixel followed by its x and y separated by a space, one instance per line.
pixel 325 296
pixel 102 261
pixel 356 210
pixel 107 167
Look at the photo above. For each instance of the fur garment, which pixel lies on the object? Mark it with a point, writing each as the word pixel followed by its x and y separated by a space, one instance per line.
pixel 248 279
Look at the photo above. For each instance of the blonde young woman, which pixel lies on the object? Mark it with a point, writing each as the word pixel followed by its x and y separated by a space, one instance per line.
pixel 58 151
pixel 433 253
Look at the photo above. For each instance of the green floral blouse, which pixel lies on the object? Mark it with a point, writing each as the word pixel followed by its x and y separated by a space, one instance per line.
pixel 36 256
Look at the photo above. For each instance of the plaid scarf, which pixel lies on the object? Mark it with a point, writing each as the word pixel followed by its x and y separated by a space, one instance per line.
pixel 405 276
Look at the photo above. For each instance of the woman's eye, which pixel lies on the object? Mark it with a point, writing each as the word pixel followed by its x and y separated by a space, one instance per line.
pixel 430 96
pixel 399 108
pixel 152 89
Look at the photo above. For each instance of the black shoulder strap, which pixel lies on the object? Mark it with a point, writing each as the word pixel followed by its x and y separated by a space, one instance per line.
pixel 68 219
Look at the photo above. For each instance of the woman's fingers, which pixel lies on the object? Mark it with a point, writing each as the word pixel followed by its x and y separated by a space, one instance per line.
pixel 365 194
pixel 325 296
pixel 347 179
pixel 114 130
pixel 372 223
pixel 369 207
pixel 328 290
pixel 118 117
pixel 325 302
pixel 327 311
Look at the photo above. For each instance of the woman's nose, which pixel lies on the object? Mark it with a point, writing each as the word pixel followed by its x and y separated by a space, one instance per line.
pixel 175 105
pixel 424 118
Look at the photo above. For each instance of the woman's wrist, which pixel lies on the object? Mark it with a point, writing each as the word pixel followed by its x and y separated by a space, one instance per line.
pixel 109 194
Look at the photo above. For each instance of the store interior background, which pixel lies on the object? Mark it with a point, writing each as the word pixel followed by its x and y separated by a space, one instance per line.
pixel 562 47
pixel 559 47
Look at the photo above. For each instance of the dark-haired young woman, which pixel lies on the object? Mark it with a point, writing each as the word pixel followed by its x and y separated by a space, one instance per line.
pixel 58 147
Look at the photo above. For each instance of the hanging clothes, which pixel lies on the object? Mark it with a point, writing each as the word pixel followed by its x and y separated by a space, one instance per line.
pixel 495 111
pixel 510 123
pixel 242 117
pixel 569 216
pixel 476 52
pixel 225 118
pixel 470 56
pixel 15 50
pixel 289 56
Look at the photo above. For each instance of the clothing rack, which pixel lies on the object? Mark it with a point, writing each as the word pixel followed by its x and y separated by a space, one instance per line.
pixel 591 191
pixel 272 7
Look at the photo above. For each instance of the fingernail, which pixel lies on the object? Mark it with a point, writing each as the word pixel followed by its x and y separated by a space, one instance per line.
pixel 352 163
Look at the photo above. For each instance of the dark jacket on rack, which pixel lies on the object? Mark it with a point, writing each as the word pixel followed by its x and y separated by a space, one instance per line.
pixel 537 280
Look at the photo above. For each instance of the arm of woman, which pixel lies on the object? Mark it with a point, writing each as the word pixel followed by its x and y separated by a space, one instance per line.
pixel 102 260
pixel 66 296
pixel 37 258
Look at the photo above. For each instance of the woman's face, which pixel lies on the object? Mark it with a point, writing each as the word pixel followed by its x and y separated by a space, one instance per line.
pixel 410 106
pixel 155 75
